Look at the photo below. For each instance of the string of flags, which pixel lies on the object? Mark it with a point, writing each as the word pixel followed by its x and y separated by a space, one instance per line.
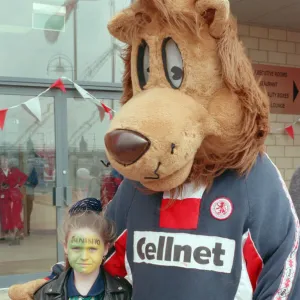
pixel 288 129
pixel 103 109
pixel 33 105
pixel 34 108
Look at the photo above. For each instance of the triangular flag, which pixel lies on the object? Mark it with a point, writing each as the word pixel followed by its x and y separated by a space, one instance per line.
pixel 84 94
pixel 2 117
pixel 290 131
pixel 59 85
pixel 34 107
pixel 101 112
pixel 107 110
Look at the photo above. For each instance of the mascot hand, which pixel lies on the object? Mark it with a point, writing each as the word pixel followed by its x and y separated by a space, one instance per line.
pixel 25 291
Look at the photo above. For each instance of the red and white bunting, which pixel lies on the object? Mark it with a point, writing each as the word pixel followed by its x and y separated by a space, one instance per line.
pixel 86 95
pixel 289 129
pixel 58 84
pixel 2 117
pixel 34 107
pixel 101 112
pixel 108 110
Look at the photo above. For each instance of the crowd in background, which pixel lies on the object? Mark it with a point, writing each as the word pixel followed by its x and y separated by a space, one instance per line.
pixel 12 179
pixel 22 183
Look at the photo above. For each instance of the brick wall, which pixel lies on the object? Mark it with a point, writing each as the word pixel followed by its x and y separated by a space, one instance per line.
pixel 281 48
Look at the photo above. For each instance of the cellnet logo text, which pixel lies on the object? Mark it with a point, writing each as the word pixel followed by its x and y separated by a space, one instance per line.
pixel 184 250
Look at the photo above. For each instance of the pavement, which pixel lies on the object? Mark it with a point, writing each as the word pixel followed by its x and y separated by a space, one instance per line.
pixel 3 295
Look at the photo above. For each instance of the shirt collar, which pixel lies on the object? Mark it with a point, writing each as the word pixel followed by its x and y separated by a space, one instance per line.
pixel 96 290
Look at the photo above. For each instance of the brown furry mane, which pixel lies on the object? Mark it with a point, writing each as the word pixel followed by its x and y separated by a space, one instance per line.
pixel 239 151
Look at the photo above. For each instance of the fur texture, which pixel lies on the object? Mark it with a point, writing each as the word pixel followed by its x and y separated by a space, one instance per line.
pixel 245 123
pixel 25 291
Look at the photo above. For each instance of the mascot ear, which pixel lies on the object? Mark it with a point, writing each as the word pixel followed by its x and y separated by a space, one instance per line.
pixel 126 23
pixel 216 14
pixel 119 26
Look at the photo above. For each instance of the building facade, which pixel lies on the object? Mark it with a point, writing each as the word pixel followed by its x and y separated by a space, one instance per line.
pixel 273 46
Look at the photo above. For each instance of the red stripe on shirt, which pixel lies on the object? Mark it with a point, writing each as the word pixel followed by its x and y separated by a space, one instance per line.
pixel 180 214
pixel 253 261
pixel 115 264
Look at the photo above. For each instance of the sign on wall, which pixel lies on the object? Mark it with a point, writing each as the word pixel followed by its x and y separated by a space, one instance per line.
pixel 282 85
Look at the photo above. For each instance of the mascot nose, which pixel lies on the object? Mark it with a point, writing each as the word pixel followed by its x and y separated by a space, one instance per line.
pixel 126 146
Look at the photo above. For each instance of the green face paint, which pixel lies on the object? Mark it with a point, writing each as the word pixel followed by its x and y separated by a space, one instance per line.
pixel 85 251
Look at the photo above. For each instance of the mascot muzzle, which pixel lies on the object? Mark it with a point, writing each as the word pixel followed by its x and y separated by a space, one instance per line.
pixel 156 135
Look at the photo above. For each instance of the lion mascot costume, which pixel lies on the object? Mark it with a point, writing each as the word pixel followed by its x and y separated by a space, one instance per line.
pixel 203 212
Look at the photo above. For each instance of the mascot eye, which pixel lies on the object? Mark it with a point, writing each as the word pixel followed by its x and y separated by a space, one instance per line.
pixel 173 64
pixel 143 64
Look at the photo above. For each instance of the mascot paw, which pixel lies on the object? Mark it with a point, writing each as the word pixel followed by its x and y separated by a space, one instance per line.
pixel 25 291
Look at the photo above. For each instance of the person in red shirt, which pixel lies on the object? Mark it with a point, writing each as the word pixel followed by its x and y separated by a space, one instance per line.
pixel 109 187
pixel 11 179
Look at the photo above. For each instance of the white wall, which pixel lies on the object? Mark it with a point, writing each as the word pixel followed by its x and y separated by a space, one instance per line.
pixel 282 48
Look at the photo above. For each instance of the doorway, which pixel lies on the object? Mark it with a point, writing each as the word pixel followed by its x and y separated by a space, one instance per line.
pixel 67 140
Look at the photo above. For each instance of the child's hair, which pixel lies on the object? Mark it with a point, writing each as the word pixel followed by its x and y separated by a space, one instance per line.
pixel 88 219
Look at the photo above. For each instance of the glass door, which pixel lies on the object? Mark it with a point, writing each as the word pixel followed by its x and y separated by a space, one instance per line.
pixel 46 164
pixel 28 218
pixel 90 174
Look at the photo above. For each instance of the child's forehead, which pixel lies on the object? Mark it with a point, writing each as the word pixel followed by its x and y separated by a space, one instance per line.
pixel 84 233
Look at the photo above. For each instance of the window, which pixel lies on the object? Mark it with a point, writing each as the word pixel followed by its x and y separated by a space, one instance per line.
pixel 51 38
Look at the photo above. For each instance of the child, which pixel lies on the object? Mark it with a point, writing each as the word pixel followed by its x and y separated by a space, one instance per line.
pixel 87 237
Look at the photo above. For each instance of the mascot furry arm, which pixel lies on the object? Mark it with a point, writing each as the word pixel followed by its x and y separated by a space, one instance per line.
pixel 202 206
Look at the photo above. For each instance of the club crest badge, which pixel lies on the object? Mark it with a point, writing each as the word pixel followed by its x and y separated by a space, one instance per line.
pixel 221 209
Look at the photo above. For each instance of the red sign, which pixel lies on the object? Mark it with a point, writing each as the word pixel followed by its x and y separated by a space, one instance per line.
pixel 282 85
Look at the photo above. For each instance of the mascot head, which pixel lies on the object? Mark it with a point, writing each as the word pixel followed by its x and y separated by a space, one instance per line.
pixel 192 107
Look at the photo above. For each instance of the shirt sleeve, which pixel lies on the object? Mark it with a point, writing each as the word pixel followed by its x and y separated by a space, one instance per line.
pixel 274 232
pixel 117 211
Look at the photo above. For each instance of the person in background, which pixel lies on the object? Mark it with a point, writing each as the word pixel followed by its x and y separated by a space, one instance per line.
pixel 11 180
pixel 295 190
pixel 109 187
pixel 94 183
pixel 31 184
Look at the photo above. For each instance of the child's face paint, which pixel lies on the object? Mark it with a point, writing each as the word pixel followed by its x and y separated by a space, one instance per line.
pixel 85 251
